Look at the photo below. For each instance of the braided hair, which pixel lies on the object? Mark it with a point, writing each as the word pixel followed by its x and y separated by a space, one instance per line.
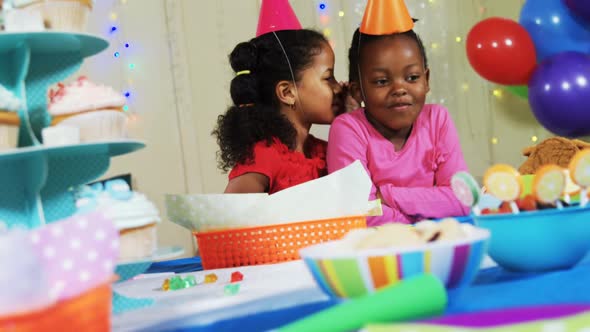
pixel 255 114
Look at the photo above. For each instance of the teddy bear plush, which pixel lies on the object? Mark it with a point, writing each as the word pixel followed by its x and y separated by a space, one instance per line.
pixel 554 150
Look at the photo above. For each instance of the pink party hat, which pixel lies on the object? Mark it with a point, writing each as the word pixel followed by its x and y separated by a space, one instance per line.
pixel 276 15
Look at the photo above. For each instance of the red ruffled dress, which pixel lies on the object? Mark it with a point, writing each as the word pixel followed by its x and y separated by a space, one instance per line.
pixel 283 167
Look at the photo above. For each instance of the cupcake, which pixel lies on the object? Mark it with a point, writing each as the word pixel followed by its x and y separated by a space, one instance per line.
pixel 96 110
pixel 132 213
pixel 9 120
pixel 59 15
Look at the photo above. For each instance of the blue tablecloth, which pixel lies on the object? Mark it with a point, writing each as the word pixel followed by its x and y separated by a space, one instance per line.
pixel 494 288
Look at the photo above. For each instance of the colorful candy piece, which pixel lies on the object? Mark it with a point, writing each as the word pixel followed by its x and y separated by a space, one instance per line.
pixel 231 289
pixel 178 282
pixel 549 184
pixel 503 181
pixel 466 190
pixel 210 278
pixel 190 281
pixel 236 277
pixel 580 173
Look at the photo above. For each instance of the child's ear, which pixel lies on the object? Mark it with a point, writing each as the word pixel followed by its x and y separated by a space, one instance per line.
pixel 355 92
pixel 285 92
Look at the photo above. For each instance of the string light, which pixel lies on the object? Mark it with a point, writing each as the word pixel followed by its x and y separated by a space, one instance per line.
pixel 132 66
pixel 434 46
pixel 458 39
pixel 127 94
pixel 341 13
pixel 125 108
pixel 117 54
pixel 534 138
pixel 113 16
pixel 126 45
pixel 497 93
pixel 113 28
pixel 494 140
pixel 465 86
pixel 322 6
pixel 327 32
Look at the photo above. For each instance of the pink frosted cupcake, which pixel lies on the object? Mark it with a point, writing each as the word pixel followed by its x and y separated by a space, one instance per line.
pixel 96 110
pixel 59 15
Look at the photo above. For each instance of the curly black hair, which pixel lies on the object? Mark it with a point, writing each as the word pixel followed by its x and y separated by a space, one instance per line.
pixel 255 115
pixel 356 47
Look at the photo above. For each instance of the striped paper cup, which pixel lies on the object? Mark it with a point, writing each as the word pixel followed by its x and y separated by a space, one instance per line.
pixel 350 274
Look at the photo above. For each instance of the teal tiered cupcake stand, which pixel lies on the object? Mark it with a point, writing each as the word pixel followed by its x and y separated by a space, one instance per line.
pixel 36 181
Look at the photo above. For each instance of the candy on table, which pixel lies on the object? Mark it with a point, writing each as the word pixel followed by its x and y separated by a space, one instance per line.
pixel 210 278
pixel 236 276
pixel 503 181
pixel 466 190
pixel 579 168
pixel 549 185
pixel 231 289
pixel 178 282
pixel 190 281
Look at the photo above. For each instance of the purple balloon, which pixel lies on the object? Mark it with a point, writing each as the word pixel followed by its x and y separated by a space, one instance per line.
pixel 580 8
pixel 559 94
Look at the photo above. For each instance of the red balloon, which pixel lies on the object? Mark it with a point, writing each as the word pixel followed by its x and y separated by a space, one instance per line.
pixel 501 51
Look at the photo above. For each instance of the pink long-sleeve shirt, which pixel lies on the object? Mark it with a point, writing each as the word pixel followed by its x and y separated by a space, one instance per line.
pixel 415 181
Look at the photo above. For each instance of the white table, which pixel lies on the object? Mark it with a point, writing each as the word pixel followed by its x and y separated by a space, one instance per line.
pixel 264 288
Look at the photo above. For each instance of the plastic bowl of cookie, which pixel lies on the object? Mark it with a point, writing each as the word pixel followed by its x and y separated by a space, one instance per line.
pixel 369 259
pixel 538 241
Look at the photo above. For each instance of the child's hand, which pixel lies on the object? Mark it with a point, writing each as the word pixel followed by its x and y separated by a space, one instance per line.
pixel 350 104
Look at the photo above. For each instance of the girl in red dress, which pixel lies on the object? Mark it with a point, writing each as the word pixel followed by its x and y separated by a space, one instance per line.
pixel 284 83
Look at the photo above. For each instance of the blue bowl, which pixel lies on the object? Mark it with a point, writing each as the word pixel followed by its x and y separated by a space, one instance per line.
pixel 537 241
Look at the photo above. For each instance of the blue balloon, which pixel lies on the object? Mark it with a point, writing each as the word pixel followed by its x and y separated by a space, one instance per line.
pixel 580 8
pixel 559 94
pixel 554 28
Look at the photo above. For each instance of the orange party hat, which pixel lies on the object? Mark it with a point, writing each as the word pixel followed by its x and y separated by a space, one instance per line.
pixel 384 17
pixel 276 15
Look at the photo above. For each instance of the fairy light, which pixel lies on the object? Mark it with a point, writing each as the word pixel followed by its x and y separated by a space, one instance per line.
pixel 434 46
pixel 494 140
pixel 125 108
pixel 465 87
pixel 113 16
pixel 458 39
pixel 534 139
pixel 327 32
pixel 497 93
pixel 341 13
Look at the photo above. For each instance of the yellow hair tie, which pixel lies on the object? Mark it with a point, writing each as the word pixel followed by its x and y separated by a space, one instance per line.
pixel 242 72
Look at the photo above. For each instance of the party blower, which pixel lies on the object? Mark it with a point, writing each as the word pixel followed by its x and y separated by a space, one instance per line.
pixel 418 297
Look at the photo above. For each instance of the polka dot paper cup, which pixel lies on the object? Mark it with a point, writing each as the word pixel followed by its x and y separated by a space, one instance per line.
pixel 350 274
pixel 75 259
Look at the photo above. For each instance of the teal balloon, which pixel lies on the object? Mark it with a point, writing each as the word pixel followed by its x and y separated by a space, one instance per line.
pixel 521 91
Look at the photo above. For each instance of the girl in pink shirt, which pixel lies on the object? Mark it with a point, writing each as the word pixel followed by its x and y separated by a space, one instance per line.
pixel 410 150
